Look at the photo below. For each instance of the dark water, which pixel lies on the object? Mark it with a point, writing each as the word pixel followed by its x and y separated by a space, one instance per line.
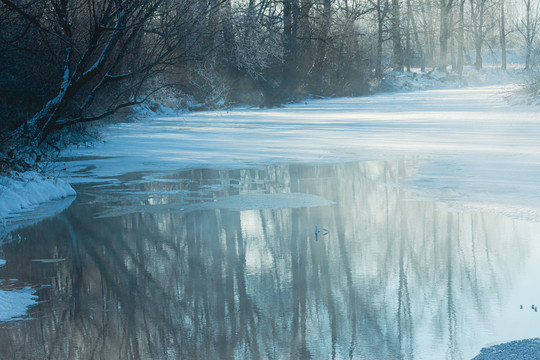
pixel 209 264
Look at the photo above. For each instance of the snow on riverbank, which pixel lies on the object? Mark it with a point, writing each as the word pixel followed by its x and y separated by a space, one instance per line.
pixel 26 191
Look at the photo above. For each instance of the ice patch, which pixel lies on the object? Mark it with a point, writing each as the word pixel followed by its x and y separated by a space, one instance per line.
pixel 243 202
pixel 262 202
pixel 14 304
pixel 2 262
pixel 26 191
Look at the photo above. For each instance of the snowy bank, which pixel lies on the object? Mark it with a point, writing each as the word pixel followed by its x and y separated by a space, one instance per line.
pixel 27 190
pixel 394 81
pixel 516 350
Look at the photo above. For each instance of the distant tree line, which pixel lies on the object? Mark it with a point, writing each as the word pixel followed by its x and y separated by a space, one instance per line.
pixel 67 62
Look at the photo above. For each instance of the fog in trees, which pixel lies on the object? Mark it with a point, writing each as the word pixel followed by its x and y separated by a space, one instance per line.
pixel 69 62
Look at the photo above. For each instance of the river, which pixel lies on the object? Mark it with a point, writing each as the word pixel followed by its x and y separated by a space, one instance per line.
pixel 346 255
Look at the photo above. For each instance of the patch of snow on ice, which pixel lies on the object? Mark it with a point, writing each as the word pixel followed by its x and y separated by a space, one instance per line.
pixel 14 304
pixel 528 349
pixel 29 189
pixel 2 262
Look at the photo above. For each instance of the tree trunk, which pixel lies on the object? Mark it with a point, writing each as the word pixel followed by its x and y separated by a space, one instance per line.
pixel 408 50
pixel 452 46
pixel 502 36
pixel 478 48
pixel 461 38
pixel 478 11
pixel 446 5
pixel 528 33
pixel 396 36
pixel 320 62
pixel 417 39
pixel 380 39
pixel 290 31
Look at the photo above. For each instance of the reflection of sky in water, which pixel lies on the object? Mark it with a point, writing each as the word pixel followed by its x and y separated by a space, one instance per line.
pixel 171 269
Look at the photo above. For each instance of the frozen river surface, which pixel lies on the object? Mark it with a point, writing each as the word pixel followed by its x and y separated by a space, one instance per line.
pixel 471 146
pixel 397 226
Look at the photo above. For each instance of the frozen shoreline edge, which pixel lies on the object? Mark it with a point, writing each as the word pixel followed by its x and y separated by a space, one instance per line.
pixel 25 191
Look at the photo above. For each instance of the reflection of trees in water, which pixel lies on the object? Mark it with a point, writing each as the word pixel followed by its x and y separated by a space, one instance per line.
pixel 394 275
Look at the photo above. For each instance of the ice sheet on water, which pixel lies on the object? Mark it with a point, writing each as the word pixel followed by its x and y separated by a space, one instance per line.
pixel 261 202
pixel 242 202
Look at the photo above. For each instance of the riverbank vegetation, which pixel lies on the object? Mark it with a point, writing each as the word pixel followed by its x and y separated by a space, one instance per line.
pixel 66 63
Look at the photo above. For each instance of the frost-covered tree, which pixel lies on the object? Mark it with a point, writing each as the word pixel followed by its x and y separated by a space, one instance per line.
pixel 108 51
pixel 528 26
pixel 445 32
pixel 482 22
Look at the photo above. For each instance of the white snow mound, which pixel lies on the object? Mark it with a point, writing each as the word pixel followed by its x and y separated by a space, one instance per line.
pixel 29 189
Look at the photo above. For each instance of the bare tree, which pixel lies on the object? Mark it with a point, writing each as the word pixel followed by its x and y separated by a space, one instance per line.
pixel 502 33
pixel 480 26
pixel 414 28
pixel 528 27
pixel 445 32
pixel 461 37
pixel 105 45
pixel 290 34
pixel 396 36
pixel 381 8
